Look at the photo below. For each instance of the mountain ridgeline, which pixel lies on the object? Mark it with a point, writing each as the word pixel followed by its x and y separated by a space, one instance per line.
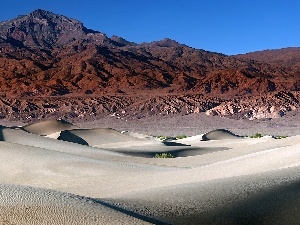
pixel 49 56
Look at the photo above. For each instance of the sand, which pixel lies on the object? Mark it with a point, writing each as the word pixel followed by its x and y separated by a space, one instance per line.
pixel 103 176
pixel 48 127
pixel 219 134
pixel 27 205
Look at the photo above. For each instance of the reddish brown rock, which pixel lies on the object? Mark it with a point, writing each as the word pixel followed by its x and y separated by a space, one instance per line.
pixel 51 59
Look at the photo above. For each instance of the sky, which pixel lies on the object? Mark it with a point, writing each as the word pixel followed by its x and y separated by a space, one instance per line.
pixel 224 26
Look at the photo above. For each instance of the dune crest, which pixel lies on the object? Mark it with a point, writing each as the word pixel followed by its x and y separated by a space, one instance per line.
pixel 219 134
pixel 48 127
pixel 93 137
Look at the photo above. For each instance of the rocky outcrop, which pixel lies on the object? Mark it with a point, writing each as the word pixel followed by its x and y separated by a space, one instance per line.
pixel 92 108
pixel 136 107
pixel 261 107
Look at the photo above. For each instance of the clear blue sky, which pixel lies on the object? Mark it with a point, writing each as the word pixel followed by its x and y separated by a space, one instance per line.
pixel 229 27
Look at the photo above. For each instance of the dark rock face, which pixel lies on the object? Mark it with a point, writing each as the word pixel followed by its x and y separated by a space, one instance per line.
pixel 43 54
pixel 42 29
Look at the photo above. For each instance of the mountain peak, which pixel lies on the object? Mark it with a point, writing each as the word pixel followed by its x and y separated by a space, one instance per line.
pixel 44 29
pixel 167 42
pixel 52 17
pixel 121 41
pixel 40 13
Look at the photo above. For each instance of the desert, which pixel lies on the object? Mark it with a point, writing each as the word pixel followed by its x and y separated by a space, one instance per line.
pixel 101 130
pixel 83 177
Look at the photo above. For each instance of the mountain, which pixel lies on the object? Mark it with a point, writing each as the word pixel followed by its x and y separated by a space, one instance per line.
pixel 45 30
pixel 44 55
pixel 285 57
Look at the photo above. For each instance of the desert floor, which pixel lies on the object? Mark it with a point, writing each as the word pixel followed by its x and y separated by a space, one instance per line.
pixel 55 172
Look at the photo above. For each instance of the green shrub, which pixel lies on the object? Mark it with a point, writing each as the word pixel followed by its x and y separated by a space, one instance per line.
pixel 162 138
pixel 164 155
pixel 279 137
pixel 257 135
pixel 181 136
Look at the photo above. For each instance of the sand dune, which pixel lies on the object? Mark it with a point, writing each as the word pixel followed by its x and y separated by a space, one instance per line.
pixel 228 180
pixel 27 205
pixel 21 137
pixel 48 127
pixel 219 134
pixel 268 198
pixel 94 137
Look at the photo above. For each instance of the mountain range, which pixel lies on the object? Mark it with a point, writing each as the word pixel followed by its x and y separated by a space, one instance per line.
pixel 53 66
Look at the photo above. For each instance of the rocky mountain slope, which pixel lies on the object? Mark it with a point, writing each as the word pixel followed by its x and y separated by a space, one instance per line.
pixel 286 57
pixel 53 66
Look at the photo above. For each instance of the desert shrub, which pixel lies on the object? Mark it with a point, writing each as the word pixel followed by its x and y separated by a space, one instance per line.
pixel 181 136
pixel 161 137
pixel 279 137
pixel 164 155
pixel 170 138
pixel 257 135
